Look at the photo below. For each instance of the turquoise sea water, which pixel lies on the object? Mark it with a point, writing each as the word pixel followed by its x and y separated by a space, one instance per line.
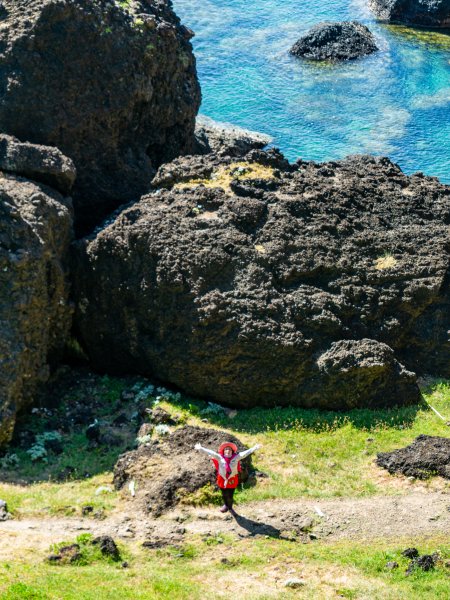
pixel 395 102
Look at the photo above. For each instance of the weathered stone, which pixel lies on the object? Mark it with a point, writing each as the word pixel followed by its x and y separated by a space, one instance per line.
pixel 344 40
pixel 166 470
pixel 226 140
pixel 112 85
pixel 364 371
pixel 35 315
pixel 426 456
pixel 266 284
pixel 41 163
pixel 425 13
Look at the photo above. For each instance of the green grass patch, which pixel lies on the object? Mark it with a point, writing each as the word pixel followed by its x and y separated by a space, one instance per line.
pixel 249 569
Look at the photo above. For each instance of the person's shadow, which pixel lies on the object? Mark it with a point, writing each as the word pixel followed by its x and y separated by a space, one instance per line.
pixel 256 528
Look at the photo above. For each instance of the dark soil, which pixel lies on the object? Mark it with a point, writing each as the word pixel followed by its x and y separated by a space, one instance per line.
pixel 166 470
pixel 426 456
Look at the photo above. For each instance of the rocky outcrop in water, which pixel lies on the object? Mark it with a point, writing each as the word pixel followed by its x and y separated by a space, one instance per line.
pixel 424 13
pixel 346 40
pixel 35 233
pixel 112 85
pixel 262 283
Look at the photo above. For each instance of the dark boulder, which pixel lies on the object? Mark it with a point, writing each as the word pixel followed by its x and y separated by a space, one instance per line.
pixel 35 315
pixel 237 283
pixel 167 470
pixel 422 13
pixel 426 456
pixel 113 85
pixel 346 40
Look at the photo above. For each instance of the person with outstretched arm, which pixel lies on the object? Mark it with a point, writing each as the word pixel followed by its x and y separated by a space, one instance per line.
pixel 227 464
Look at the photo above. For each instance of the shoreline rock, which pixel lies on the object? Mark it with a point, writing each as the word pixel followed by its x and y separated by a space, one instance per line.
pixel 423 13
pixel 118 104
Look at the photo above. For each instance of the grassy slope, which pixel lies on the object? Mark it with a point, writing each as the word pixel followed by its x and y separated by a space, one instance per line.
pixel 306 453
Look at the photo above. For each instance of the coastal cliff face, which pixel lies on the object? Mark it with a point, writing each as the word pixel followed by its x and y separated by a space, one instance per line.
pixel 113 85
pixel 256 282
pixel 35 233
pixel 422 13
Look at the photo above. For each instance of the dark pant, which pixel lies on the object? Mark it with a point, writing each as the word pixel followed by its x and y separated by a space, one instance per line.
pixel 227 495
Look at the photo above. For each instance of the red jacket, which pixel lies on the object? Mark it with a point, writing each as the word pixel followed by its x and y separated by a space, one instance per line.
pixel 232 482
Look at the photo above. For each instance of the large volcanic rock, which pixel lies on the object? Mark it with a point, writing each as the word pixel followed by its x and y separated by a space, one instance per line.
pixel 426 456
pixel 166 470
pixel 112 85
pixel 425 13
pixel 345 40
pixel 269 283
pixel 35 233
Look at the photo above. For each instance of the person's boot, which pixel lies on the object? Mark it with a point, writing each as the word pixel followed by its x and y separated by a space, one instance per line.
pixel 233 512
pixel 224 508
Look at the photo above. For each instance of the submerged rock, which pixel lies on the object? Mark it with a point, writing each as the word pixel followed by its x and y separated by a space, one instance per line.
pixel 167 470
pixel 425 13
pixel 35 315
pixel 345 40
pixel 113 85
pixel 259 283
pixel 426 456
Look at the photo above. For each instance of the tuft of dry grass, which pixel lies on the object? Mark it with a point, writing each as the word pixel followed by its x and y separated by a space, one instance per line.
pixel 385 262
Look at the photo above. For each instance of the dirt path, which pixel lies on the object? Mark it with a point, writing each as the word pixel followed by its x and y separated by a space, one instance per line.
pixel 387 517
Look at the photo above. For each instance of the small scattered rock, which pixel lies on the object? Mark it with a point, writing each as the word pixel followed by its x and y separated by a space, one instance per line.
pixel 107 546
pixel 93 432
pixel 294 583
pixel 4 514
pixel 159 416
pixel 391 565
pixel 426 562
pixel 306 524
pixel 87 510
pixel 410 553
pixel 99 514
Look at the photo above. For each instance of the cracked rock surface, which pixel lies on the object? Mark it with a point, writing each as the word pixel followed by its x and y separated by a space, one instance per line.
pixel 253 282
